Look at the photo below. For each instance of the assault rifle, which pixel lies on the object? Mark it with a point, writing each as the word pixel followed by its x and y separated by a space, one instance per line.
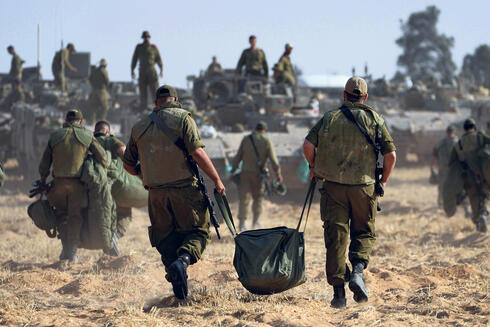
pixel 192 165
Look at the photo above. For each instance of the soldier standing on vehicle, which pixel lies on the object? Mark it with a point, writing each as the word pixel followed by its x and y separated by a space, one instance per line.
pixel 148 55
pixel 254 153
pixel 66 150
pixel 61 61
pixel 15 65
pixel 254 60
pixel 473 152
pixel 99 98
pixel 176 205
pixel 340 154
pixel 214 67
pixel 284 68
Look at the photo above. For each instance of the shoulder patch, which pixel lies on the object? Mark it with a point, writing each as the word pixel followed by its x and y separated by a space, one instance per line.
pixel 83 136
pixel 57 136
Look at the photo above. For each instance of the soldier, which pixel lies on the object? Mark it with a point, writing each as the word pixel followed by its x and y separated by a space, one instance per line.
pixel 99 98
pixel 441 154
pixel 254 152
pixel 214 67
pixel 66 150
pixel 116 147
pixel 61 61
pixel 148 55
pixel 254 60
pixel 15 65
pixel 179 217
pixel 284 68
pixel 16 95
pixel 472 151
pixel 345 161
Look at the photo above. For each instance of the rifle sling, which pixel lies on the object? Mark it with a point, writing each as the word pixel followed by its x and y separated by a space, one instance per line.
pixel 350 116
pixel 256 152
pixel 168 132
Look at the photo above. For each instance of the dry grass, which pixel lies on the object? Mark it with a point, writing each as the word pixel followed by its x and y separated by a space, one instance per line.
pixel 425 270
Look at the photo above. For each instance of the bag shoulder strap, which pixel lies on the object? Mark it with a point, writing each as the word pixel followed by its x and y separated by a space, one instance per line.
pixel 168 132
pixel 308 200
pixel 350 116
pixel 254 146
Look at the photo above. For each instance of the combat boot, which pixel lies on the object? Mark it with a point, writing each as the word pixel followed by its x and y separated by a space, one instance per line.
pixel 64 245
pixel 481 224
pixel 356 283
pixel 177 275
pixel 338 300
pixel 71 252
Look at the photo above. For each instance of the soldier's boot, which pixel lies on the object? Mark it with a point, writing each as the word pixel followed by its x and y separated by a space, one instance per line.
pixel 64 245
pixel 177 274
pixel 241 225
pixel 71 252
pixel 356 283
pixel 338 300
pixel 482 222
pixel 256 224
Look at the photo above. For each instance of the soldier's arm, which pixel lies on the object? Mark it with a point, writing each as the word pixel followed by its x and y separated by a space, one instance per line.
pixel 388 149
pixel 158 60
pixel 271 154
pixel 45 164
pixel 238 158
pixel 67 61
pixel 130 158
pixel 98 152
pixel 106 77
pixel 134 60
pixel 241 63
pixel 265 66
pixel 118 147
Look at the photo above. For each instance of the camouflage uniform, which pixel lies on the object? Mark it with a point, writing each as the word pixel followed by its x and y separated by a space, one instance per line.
pixel 60 63
pixel 147 55
pixel 178 214
pixel 346 163
pixel 66 150
pixel 99 98
pixel 112 144
pixel 285 70
pixel 442 151
pixel 16 67
pixel 251 179
pixel 473 151
pixel 255 63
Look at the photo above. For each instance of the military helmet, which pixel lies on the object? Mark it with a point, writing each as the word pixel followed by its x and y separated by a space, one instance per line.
pixel 145 34
pixel 356 86
pixel 469 124
pixel 103 62
pixel 166 91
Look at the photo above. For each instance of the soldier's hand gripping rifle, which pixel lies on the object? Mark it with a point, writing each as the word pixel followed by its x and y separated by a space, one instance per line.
pixel 39 188
pixel 192 165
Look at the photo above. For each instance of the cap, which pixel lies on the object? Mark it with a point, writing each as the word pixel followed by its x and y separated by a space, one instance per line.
pixel 261 125
pixel 74 114
pixel 103 62
pixel 469 123
pixel 70 45
pixel 288 46
pixel 252 37
pixel 145 34
pixel 166 91
pixel 450 129
pixel 356 86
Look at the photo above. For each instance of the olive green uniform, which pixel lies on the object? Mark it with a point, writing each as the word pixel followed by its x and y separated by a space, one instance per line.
pixel 147 55
pixel 178 214
pixel 285 69
pixel 346 163
pixel 99 98
pixel 66 150
pixel 251 180
pixel 16 67
pixel 214 68
pixel 473 149
pixel 60 63
pixel 442 151
pixel 255 63
pixel 112 144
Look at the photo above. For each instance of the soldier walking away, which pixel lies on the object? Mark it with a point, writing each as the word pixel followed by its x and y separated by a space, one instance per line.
pixel 214 67
pixel 283 70
pixel 15 72
pixel 66 151
pixel 342 150
pixel 61 61
pixel 254 153
pixel 116 147
pixel 254 60
pixel 179 216
pixel 473 152
pixel 147 55
pixel 99 98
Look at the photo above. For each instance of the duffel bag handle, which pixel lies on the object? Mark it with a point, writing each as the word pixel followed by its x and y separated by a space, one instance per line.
pixel 308 200
pixel 224 208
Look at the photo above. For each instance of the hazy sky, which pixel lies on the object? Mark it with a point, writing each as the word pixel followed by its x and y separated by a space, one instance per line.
pixel 328 36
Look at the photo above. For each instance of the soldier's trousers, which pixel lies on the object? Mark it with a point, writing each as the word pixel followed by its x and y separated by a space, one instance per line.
pixel 250 186
pixel 60 81
pixel 347 209
pixel 179 222
pixel 98 105
pixel 69 197
pixel 478 196
pixel 147 82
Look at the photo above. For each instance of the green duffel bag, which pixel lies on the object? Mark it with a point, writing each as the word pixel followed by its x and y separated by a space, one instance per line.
pixel 42 214
pixel 268 260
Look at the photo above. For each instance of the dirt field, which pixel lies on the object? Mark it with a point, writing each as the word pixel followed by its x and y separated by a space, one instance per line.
pixel 425 270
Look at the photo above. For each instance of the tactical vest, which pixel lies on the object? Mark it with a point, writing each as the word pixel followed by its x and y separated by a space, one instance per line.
pixel 343 154
pixel 472 150
pixel 162 162
pixel 70 145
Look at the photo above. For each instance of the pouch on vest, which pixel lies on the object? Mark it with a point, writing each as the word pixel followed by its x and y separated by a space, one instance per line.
pixel 268 260
pixel 42 214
